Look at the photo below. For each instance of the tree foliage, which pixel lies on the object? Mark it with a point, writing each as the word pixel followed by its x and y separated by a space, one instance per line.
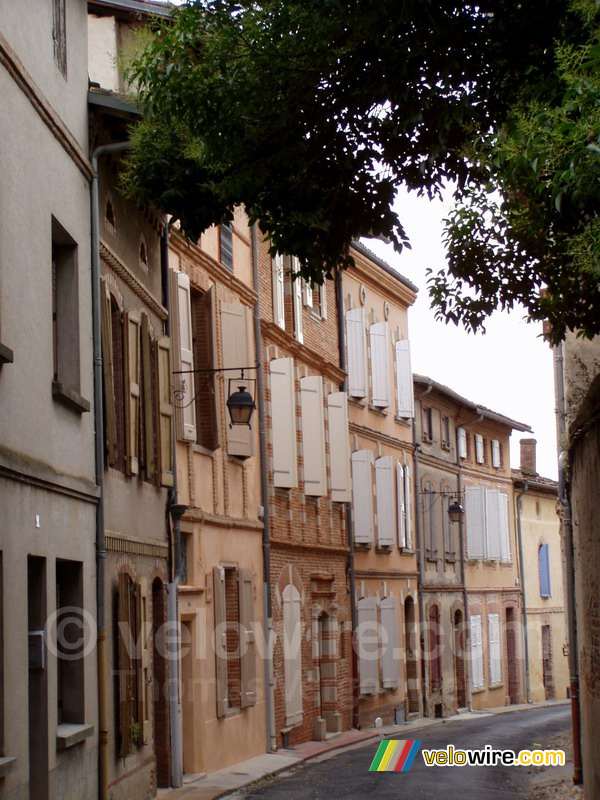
pixel 312 112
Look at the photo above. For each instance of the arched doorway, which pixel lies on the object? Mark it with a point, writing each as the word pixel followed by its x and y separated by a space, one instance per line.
pixel 459 660
pixel 412 678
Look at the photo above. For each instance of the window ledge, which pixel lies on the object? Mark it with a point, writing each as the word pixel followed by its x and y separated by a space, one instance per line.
pixel 477 689
pixel 69 734
pixel 7 764
pixel 407 551
pixel 407 421
pixel 6 354
pixel 383 548
pixel 356 401
pixel 69 397
pixel 362 545
pixel 381 410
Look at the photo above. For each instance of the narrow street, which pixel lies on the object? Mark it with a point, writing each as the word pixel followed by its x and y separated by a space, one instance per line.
pixel 348 776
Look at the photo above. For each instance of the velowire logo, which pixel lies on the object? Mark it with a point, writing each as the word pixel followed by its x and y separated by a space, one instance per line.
pixel 395 755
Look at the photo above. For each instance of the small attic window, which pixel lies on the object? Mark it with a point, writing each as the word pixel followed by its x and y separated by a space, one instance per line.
pixel 143 255
pixel 109 215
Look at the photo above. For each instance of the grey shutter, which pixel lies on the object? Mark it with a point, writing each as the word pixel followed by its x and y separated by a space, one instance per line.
pixel 220 642
pixel 544 564
pixel 477 652
pixel 292 654
pixel 475 521
pixel 404 380
pixel 186 414
pixel 247 638
pixel 278 294
pixel 235 351
pixel 462 443
pixel 495 453
pixel 362 494
pixel 495 654
pixel 385 501
pixel 357 353
pixel 380 382
pixel 492 524
pixel 313 436
pixel 367 640
pixel 283 422
pixel 339 447
pixel 504 527
pixel 401 506
pixel 407 506
pixel 165 411
pixel 132 394
pixel 390 664
pixel 479 448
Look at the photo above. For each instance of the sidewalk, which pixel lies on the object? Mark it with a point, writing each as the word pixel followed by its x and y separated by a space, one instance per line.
pixel 217 784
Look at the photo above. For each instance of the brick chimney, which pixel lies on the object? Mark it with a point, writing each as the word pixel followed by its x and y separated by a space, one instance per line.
pixel 528 466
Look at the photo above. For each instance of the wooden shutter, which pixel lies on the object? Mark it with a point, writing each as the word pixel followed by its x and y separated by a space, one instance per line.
pixel 504 528
pixel 462 443
pixel 404 380
pixel 220 640
pixel 367 641
pixel 407 506
pixel 380 384
pixel 495 654
pixel 479 448
pixel 208 419
pixel 149 410
pixel 297 303
pixel 323 299
pixel 283 422
pixel 495 453
pixel 401 506
pixel 143 660
pixel 356 352
pixel 313 435
pixel 165 411
pixel 544 564
pixel 292 654
pixel 183 345
pixel 476 652
pixel 247 638
pixel 385 502
pixel 132 396
pixel 110 424
pixel 278 295
pixel 492 524
pixel 362 493
pixel 308 294
pixel 339 447
pixel 390 664
pixel 235 350
pixel 475 521
pixel 125 639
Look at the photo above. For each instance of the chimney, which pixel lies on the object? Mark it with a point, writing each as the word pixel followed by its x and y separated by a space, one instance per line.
pixel 528 466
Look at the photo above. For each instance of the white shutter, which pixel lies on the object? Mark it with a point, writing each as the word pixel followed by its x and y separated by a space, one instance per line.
pixel 339 447
pixel 297 298
pixel 292 654
pixel 313 436
pixel 278 295
pixel 235 353
pixel 384 488
pixel 401 506
pixel 362 494
pixel 476 652
pixel 357 353
pixel 475 521
pixel 308 294
pixel 492 524
pixel 404 381
pixel 283 422
pixel 495 655
pixel 323 299
pixel 407 506
pixel 503 526
pixel 479 448
pixel 187 429
pixel 495 453
pixel 378 334
pixel 462 443
pixel 367 640
pixel 390 664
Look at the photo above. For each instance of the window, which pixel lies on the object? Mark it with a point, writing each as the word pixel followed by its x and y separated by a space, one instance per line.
pixel 69 642
pixel 278 290
pixel 462 443
pixel 390 665
pixel 447 525
pixel 208 421
pixel 109 215
pixel 339 447
pixel 292 654
pixel 367 636
pixel 496 448
pixel 226 245
pixel 544 567
pixel 435 655
pixel 65 320
pixel 495 654
pixel 378 334
pixel 235 646
pixel 404 381
pixel 356 351
pixel 283 422
pixel 479 449
pixel 185 383
pixel 320 300
pixel 307 293
pixel 143 255
pixel 236 353
pixel 486 518
pixel 313 436
pixel 296 289
pixel 404 497
pixel 427 423
pixel 429 530
pixel 445 431
pixel 362 493
pixel 59 35
pixel 477 652
pixel 386 501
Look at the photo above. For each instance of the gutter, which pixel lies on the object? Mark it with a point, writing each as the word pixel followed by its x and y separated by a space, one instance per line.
pixel 522 580
pixel 264 485
pixel 463 574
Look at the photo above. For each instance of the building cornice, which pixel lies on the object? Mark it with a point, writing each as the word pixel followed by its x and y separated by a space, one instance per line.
pixel 376 436
pixel 136 286
pixel 198 515
pixel 277 336
pixel 25 469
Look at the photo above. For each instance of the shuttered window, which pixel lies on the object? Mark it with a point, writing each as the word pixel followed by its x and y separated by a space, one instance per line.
pixel 132 322
pixel 313 435
pixel 150 406
pixel 292 654
pixel 544 566
pixel 339 447
pixel 307 291
pixel 479 453
pixel 380 382
pixel 278 294
pixel 504 528
pixel 404 381
pixel 486 518
pixel 429 526
pixel 367 637
pixel 283 422
pixel 495 652
pixel 357 353
pixel 447 526
pixel 407 506
pixel 462 443
pixel 475 521
pixel 390 664
pixel 496 460
pixel 226 246
pixel 297 298
pixel 208 419
pixel 362 494
pixel 385 501
pixel 247 638
pixel 183 356
pixel 235 353
pixel 401 506
pixel 492 525
pixel 435 655
pixel 108 383
pixel 133 631
pixel 165 411
pixel 477 652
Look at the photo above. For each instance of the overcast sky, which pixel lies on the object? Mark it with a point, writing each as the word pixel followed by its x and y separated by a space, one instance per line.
pixel 508 369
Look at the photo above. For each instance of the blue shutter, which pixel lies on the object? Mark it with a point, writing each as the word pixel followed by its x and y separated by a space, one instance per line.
pixel 544 558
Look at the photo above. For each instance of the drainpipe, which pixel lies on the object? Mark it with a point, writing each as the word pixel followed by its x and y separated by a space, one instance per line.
pixel 99 463
pixel 522 579
pixel 339 299
pixel 463 574
pixel 420 564
pixel 565 501
pixel 264 485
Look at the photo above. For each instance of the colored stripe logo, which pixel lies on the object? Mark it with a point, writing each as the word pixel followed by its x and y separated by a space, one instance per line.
pixel 395 755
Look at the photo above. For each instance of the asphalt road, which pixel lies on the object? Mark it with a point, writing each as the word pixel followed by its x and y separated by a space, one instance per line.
pixel 347 775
